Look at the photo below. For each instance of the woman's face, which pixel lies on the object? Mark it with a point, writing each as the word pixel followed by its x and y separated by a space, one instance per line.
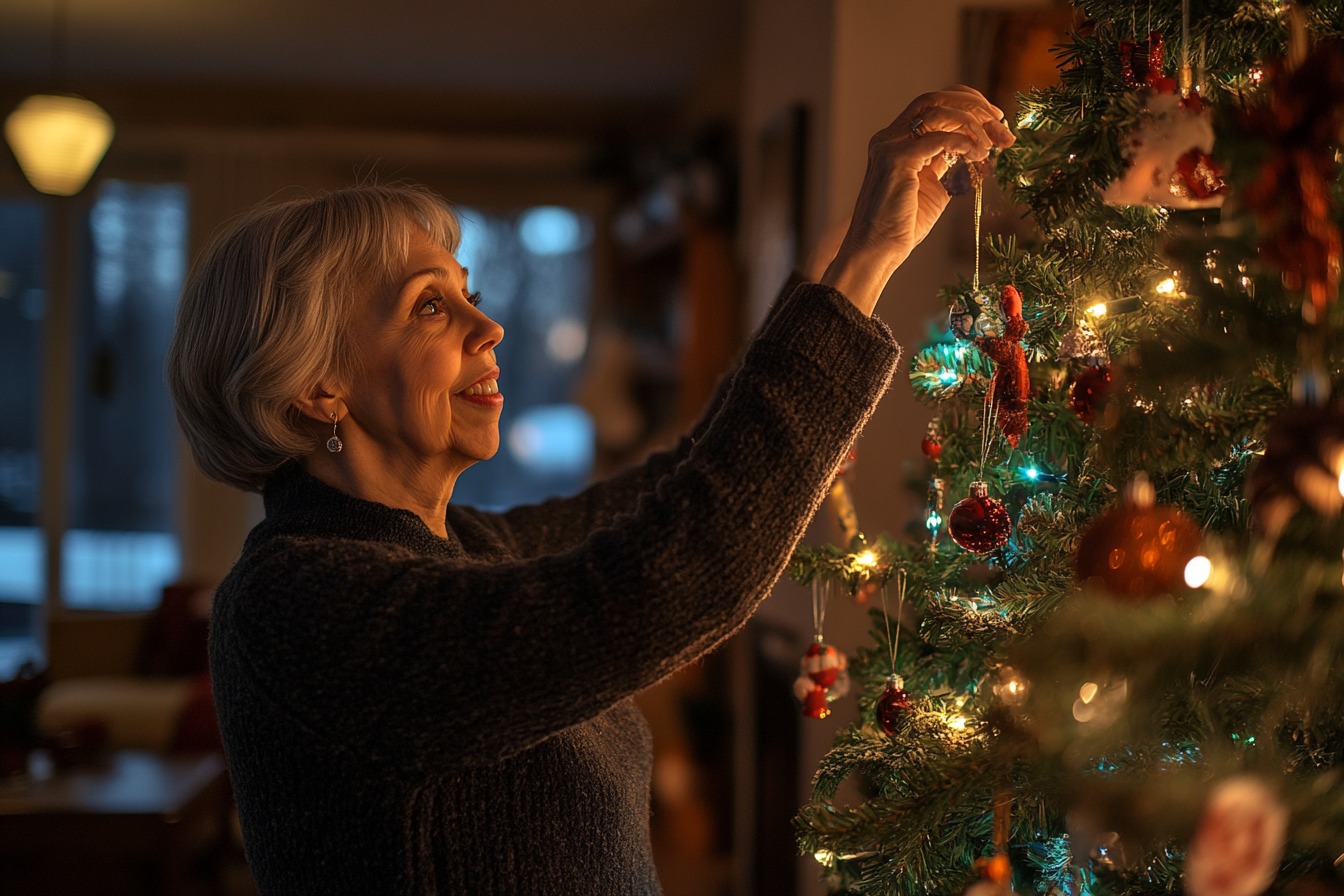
pixel 429 382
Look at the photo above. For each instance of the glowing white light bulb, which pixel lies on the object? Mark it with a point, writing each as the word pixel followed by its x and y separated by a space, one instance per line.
pixel 867 558
pixel 957 723
pixel 1097 310
pixel 1087 692
pixel 1197 571
pixel 1167 287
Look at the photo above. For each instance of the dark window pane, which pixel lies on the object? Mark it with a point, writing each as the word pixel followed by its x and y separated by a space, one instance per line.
pixel 23 230
pixel 121 548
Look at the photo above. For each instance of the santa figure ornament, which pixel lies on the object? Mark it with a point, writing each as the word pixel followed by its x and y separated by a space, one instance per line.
pixel 822 672
pixel 1167 161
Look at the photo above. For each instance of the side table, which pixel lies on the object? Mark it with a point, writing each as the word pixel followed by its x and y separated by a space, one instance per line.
pixel 142 823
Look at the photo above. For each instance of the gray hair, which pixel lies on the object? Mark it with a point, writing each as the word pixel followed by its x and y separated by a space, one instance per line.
pixel 264 318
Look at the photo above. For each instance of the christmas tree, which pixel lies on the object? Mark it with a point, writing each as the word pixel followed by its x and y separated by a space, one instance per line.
pixel 1108 661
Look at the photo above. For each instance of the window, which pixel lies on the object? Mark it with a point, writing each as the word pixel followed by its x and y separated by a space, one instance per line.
pixel 534 271
pixel 22 578
pixel 118 548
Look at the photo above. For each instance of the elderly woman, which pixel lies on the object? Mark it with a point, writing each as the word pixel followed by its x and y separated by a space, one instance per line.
pixel 419 697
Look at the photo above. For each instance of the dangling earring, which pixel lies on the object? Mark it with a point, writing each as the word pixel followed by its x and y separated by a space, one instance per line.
pixel 334 444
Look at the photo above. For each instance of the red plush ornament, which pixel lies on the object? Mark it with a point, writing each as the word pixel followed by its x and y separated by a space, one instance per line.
pixel 1012 381
pixel 814 703
pixel 1088 391
pixel 822 679
pixel 823 663
pixel 979 523
pixel 893 705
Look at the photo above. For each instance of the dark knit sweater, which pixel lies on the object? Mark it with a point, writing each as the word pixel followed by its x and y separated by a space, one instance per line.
pixel 408 714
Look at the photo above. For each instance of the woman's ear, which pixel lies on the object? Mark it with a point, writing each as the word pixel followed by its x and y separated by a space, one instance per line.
pixel 320 405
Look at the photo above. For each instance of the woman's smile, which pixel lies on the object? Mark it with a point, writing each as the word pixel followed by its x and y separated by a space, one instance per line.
pixel 484 391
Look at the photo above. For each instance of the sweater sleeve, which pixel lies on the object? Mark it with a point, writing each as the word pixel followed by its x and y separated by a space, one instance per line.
pixel 410 660
pixel 560 523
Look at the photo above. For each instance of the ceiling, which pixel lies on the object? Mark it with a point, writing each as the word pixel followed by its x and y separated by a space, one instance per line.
pixel 591 49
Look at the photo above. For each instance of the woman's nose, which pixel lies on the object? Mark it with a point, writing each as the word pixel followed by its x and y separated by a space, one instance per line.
pixel 485 334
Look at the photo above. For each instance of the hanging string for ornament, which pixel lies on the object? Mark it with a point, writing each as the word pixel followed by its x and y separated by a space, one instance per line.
pixel 977 181
pixel 894 704
pixel 975 314
pixel 822 676
pixel 1186 77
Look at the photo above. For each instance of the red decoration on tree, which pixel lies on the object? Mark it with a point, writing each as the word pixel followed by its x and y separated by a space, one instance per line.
pixel 822 678
pixel 1141 62
pixel 1012 381
pixel 1291 194
pixel 1298 467
pixel 893 705
pixel 1199 175
pixel 931 447
pixel 814 703
pixel 1138 549
pixel 1089 390
pixel 979 523
pixel 823 663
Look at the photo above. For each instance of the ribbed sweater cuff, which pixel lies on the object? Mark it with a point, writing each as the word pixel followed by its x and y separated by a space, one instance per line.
pixel 820 324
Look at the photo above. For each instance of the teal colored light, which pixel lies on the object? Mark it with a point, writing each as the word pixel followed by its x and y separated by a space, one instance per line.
pixel 933 522
pixel 1031 473
pixel 947 375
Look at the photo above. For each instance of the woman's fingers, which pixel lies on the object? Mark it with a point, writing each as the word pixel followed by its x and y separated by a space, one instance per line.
pixel 923 151
pixel 947 118
pixel 958 101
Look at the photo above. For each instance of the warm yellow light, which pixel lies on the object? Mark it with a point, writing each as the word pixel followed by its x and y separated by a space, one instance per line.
pixel 867 558
pixel 1087 692
pixel 1197 571
pixel 1341 482
pixel 1097 310
pixel 1167 287
pixel 957 723
pixel 824 856
pixel 59 141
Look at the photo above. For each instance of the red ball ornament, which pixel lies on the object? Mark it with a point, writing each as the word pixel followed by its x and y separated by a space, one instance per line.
pixel 1139 549
pixel 1088 391
pixel 893 705
pixel 979 523
pixel 931 447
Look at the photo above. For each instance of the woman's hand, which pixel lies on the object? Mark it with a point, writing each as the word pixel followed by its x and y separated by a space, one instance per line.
pixel 901 197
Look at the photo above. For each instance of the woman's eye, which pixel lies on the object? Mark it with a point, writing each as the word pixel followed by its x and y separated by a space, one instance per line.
pixel 432 306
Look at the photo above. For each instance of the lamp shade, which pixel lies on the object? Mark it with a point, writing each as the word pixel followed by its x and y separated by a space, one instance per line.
pixel 58 140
